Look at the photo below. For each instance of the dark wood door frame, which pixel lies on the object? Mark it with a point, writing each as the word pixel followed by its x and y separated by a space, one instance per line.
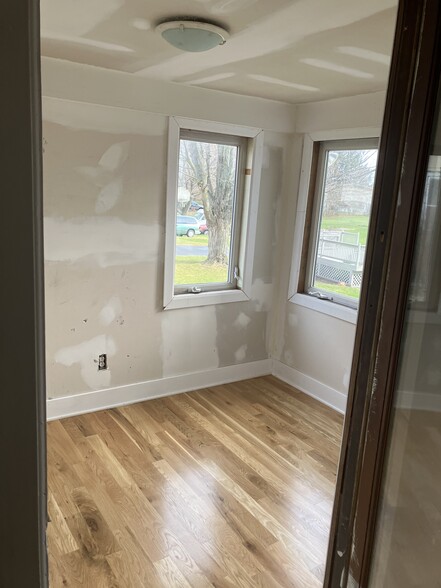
pixel 23 417
pixel 408 118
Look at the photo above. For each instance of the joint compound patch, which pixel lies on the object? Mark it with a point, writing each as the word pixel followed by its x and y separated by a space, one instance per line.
pixel 261 294
pixel 242 321
pixel 109 196
pixel 109 312
pixel 241 353
pixel 86 354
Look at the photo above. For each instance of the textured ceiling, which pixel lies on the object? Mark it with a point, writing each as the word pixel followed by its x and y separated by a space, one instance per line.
pixel 294 51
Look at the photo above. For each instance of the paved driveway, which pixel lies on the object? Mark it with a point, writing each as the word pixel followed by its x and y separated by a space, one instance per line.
pixel 191 250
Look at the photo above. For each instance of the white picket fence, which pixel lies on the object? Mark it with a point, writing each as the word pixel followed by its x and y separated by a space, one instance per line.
pixel 339 261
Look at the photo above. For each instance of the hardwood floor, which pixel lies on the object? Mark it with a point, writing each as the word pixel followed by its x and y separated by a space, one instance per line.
pixel 229 487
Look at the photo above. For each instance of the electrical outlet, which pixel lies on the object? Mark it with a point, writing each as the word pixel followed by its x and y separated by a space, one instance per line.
pixel 102 362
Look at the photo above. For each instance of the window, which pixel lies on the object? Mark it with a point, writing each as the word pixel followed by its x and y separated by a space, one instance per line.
pixel 332 224
pixel 213 174
pixel 210 179
pixel 340 220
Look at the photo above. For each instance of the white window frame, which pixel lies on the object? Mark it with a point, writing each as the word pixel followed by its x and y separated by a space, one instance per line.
pixel 332 308
pixel 248 217
pixel 241 143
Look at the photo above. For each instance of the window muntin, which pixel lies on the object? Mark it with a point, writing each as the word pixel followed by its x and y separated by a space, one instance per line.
pixel 340 221
pixel 208 210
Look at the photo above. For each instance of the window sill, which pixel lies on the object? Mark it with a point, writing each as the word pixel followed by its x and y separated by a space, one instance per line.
pixel 338 311
pixel 206 299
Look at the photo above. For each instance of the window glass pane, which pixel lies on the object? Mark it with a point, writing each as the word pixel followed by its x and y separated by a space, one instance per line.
pixel 343 222
pixel 205 212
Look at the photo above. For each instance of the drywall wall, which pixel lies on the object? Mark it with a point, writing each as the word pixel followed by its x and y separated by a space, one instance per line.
pixel 317 347
pixel 104 181
pixel 105 138
pixel 337 115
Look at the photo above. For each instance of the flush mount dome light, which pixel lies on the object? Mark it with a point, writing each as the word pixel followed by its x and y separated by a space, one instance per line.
pixel 192 35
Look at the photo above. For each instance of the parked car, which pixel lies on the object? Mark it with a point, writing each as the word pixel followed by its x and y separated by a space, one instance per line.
pixel 202 222
pixel 187 225
pixel 200 215
pixel 195 205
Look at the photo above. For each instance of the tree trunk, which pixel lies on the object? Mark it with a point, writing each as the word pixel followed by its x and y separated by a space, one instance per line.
pixel 218 243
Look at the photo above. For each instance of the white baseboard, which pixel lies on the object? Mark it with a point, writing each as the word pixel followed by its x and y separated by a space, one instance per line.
pixel 310 386
pixel 66 406
pixel 58 408
pixel 418 401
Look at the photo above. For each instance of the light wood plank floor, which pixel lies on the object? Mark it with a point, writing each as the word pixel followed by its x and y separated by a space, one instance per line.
pixel 229 487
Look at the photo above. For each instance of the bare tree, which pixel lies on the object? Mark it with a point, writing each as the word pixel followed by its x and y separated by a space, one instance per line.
pixel 346 169
pixel 208 172
pixel 184 207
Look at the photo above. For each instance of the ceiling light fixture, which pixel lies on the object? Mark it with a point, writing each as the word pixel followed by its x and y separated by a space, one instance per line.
pixel 192 35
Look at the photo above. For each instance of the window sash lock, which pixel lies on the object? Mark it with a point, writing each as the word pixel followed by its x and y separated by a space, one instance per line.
pixel 320 295
pixel 195 290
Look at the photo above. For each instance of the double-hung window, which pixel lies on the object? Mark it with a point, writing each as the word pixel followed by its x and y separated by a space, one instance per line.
pixel 211 190
pixel 336 221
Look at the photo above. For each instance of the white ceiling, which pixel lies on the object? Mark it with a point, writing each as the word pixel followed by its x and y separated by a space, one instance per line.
pixel 289 50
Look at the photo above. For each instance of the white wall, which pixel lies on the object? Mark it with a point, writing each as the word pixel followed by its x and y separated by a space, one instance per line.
pixel 104 208
pixel 316 346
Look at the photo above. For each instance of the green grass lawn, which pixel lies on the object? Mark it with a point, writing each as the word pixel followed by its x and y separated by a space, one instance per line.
pixel 339 289
pixel 190 269
pixel 196 240
pixel 352 224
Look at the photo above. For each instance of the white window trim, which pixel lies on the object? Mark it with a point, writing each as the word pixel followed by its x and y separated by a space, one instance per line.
pixel 339 311
pixel 327 307
pixel 248 223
